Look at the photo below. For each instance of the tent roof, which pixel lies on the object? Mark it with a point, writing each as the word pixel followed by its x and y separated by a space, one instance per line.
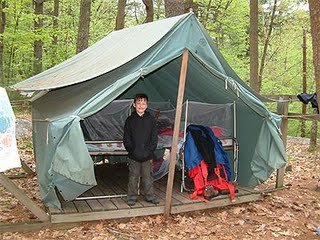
pixel 111 52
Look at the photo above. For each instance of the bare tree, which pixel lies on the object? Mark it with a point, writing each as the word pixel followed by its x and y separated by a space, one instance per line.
pixel 266 44
pixel 37 45
pixel 314 9
pixel 149 10
pixel 121 14
pixel 254 53
pixel 2 28
pixel 84 25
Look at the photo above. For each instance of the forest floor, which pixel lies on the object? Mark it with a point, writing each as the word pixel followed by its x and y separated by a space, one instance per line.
pixel 290 213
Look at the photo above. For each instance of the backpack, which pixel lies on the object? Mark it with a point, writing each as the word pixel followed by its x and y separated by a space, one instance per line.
pixel 210 186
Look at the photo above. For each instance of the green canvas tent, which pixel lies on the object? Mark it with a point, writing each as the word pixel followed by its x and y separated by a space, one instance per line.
pixel 144 58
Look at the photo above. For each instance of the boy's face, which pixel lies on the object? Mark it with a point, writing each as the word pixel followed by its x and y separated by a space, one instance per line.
pixel 140 105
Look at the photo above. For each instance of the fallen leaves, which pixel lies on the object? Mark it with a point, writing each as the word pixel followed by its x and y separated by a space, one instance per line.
pixel 291 213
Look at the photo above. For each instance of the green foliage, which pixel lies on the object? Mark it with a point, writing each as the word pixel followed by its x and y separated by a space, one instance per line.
pixel 231 38
pixel 103 19
pixel 227 22
pixel 283 70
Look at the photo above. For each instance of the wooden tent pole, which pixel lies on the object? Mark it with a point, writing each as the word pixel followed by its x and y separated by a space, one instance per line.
pixel 176 128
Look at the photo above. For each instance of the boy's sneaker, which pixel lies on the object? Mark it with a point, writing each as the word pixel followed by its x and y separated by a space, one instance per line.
pixel 131 202
pixel 153 200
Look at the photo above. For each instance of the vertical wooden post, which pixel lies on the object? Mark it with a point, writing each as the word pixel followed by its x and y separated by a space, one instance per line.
pixel 176 128
pixel 283 110
pixel 304 80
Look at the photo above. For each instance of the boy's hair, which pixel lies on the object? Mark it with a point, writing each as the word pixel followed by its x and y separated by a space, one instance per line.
pixel 140 96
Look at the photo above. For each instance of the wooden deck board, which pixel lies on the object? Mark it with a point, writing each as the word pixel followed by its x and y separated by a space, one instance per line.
pixel 176 198
pixel 107 204
pixel 94 204
pixel 120 203
pixel 66 207
pixel 120 189
pixel 69 207
pixel 119 183
pixel 82 206
pixel 115 183
pixel 214 203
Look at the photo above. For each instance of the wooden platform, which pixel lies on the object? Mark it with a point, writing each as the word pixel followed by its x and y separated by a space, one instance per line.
pixel 112 180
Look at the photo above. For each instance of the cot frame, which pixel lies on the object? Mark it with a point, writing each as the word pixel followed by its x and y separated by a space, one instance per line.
pixel 234 146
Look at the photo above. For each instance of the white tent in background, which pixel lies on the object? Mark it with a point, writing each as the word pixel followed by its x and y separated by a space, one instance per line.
pixel 9 157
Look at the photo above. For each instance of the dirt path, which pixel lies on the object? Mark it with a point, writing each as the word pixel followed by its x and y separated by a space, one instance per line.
pixel 291 213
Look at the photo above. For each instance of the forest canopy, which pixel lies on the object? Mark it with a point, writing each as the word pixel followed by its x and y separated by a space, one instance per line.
pixel 38 34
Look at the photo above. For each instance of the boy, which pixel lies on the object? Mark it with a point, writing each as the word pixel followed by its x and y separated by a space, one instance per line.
pixel 140 140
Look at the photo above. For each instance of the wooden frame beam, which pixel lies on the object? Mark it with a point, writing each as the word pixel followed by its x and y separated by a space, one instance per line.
pixel 26 168
pixel 282 110
pixel 23 198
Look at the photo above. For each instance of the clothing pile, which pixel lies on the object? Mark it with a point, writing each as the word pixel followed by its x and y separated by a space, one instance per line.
pixel 208 164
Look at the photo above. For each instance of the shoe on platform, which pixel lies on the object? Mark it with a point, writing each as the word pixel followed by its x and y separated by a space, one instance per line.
pixel 153 200
pixel 131 202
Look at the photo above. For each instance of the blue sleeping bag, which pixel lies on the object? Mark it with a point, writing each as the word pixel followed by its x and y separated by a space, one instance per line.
pixel 206 139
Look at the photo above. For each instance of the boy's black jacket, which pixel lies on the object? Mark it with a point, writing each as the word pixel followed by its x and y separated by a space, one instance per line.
pixel 140 136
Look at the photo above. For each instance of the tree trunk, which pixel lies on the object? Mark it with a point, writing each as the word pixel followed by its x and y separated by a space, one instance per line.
pixel 313 133
pixel 206 15
pixel 314 9
pixel 174 7
pixel 12 48
pixel 55 28
pixel 2 28
pixel 190 6
pixel 149 10
pixel 37 45
pixel 84 25
pixel 121 14
pixel 266 43
pixel 254 52
pixel 178 7
pixel 304 80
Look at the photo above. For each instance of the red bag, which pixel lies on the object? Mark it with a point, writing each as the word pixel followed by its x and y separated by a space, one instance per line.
pixel 218 180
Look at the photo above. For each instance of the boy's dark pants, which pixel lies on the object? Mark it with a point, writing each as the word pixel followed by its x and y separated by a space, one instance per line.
pixel 137 169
